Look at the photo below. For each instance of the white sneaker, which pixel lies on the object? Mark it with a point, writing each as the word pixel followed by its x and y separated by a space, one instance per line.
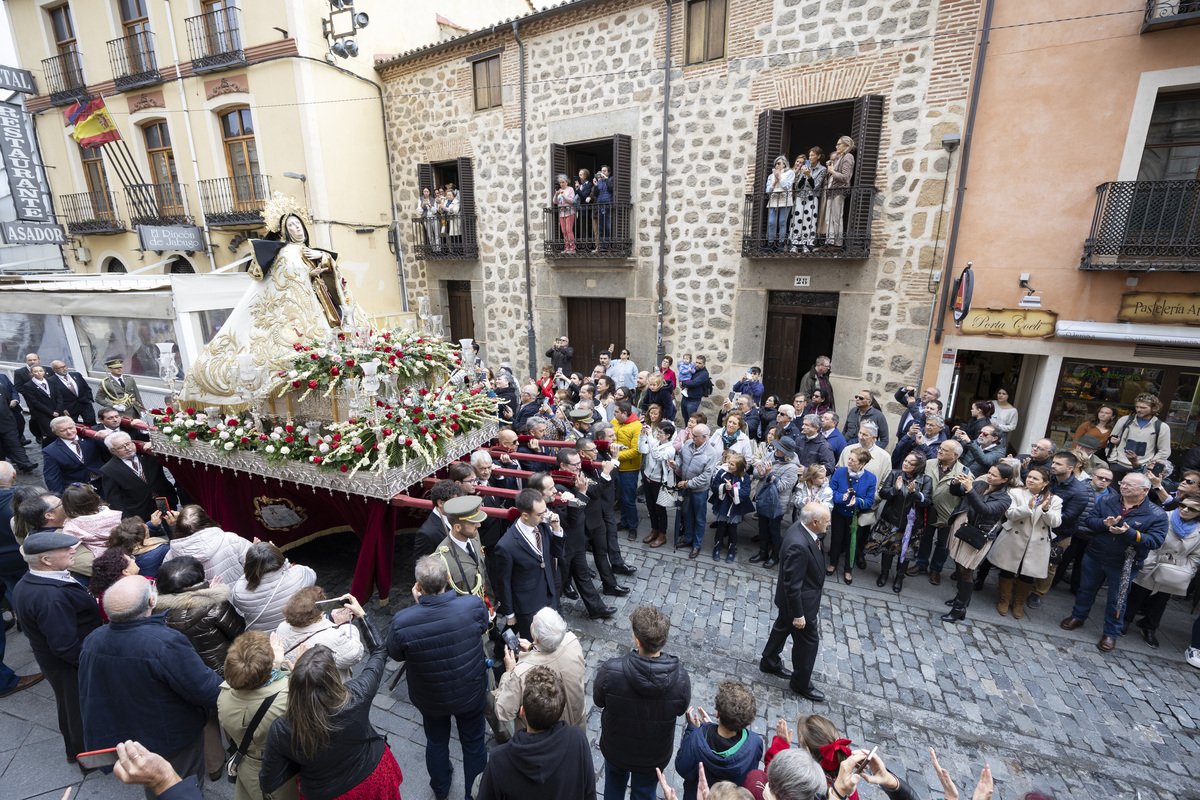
pixel 1193 656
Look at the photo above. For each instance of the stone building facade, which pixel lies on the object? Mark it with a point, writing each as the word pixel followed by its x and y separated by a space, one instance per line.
pixel 895 71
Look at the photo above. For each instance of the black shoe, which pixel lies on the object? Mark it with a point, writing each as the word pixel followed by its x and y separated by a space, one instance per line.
pixel 898 584
pixel 881 581
pixel 776 669
pixel 981 580
pixel 27 470
pixel 624 569
pixel 25 442
pixel 861 562
pixel 761 555
pixel 615 591
pixel 1151 639
pixel 847 579
pixel 570 593
pixel 952 601
pixel 955 613
pixel 811 693
pixel 770 562
pixel 1034 601
pixel 604 613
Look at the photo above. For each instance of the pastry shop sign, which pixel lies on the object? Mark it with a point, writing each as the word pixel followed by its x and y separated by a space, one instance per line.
pixel 1163 308
pixel 1023 323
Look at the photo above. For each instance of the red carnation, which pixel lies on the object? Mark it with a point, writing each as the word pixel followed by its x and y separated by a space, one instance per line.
pixel 334 371
pixel 387 348
pixel 399 354
pixel 344 468
pixel 245 440
pixel 428 357
pixel 378 348
pixel 312 384
pixel 297 347
pixel 388 415
pixel 424 392
pixel 337 437
pixel 314 357
pixel 420 341
pixel 262 437
pixel 358 448
pixel 454 416
pixel 191 434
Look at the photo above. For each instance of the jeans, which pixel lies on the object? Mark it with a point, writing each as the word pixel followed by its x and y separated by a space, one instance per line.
pixel 932 533
pixel 471 732
pixel 777 224
pixel 689 407
pixel 642 785
pixel 605 226
pixel 1089 586
pixel 695 514
pixel 627 482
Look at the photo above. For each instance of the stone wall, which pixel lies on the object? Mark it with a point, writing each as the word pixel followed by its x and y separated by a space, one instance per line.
pixel 598 71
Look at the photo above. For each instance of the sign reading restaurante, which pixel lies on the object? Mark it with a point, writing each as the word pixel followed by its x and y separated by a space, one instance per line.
pixel 1170 308
pixel 1026 323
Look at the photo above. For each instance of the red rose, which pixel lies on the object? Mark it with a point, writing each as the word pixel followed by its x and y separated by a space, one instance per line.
pixel 387 431
pixel 334 371
pixel 474 392
pixel 289 439
pixel 349 362
pixel 387 348
pixel 344 468
pixel 296 384
pixel 378 348
pixel 341 337
pixel 420 341
pixel 191 411
pixel 388 415
pixel 312 384
pixel 424 429
pixel 399 354
pixel 408 442
pixel 289 428
pixel 453 426
pixel 262 437
pixel 316 459
pixel 231 423
pixel 353 421
pixel 314 357
pixel 375 446
pixel 191 434
pixel 387 334
pixel 337 437
pixel 454 416
pixel 245 440
pixel 358 448
pixel 428 357
pixel 212 430
pixel 297 347
pixel 424 392
pixel 433 437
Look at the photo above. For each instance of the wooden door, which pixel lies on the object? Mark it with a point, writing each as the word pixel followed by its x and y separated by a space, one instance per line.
pixel 782 353
pixel 462 316
pixel 800 327
pixel 592 325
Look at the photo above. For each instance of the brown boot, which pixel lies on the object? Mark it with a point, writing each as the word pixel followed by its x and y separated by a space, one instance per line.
pixel 660 541
pixel 1006 595
pixel 653 535
pixel 1020 595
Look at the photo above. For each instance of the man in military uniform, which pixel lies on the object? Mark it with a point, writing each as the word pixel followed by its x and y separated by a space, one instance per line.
pixel 581 424
pixel 120 392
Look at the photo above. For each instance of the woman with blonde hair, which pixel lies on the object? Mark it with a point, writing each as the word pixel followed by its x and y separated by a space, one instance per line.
pixel 564 200
pixel 841 172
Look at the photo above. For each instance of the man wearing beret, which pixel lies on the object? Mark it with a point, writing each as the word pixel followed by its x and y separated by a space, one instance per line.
pixel 56 613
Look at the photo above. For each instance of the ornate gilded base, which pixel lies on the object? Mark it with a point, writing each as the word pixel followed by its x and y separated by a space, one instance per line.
pixel 381 485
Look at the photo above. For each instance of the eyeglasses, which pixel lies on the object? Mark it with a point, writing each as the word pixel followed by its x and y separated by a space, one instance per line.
pixel 860 397
pixel 1101 478
pixel 1193 509
pixel 1189 481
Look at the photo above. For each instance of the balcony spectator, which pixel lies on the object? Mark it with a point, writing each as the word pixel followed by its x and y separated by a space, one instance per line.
pixel 428 209
pixel 778 187
pixel 807 189
pixel 841 172
pixel 606 186
pixel 564 201
pixel 585 199
pixel 1004 418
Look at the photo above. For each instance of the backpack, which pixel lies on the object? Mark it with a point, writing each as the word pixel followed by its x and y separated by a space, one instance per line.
pixel 1123 435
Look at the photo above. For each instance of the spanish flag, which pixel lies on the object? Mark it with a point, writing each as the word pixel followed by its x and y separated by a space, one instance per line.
pixel 93 125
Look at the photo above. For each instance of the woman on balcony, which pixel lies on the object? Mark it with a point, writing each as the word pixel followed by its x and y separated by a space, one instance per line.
pixel 585 199
pixel 450 208
pixel 779 203
pixel 810 179
pixel 564 201
pixel 428 210
pixel 841 171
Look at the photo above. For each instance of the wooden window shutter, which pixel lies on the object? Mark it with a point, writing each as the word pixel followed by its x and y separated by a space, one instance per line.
pixel 425 179
pixel 622 193
pixel 466 186
pixel 715 30
pixel 866 130
pixel 558 166
pixel 770 145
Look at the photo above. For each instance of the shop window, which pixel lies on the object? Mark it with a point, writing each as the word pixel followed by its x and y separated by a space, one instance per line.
pixel 133 340
pixel 211 322
pixel 21 334
pixel 485 75
pixel 705 30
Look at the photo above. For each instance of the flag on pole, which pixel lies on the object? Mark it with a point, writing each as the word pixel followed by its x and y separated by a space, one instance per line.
pixel 93 124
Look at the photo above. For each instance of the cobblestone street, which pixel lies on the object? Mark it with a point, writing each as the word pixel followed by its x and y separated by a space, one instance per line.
pixel 1043 707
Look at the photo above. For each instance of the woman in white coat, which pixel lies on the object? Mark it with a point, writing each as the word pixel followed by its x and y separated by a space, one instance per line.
pixel 270 581
pixel 1022 549
pixel 1167 571
pixel 221 552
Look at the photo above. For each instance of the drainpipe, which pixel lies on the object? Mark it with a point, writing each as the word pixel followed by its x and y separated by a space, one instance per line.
pixel 187 126
pixel 662 206
pixel 525 202
pixel 961 190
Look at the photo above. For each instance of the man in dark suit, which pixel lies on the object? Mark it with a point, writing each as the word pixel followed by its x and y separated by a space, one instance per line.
pixel 22 374
pixel 70 459
pixel 436 528
pixel 526 576
pixel 506 442
pixel 110 422
pixel 10 437
pixel 42 398
pixel 75 395
pixel 531 404
pixel 575 568
pixel 798 598
pixel 131 481
pixel 8 391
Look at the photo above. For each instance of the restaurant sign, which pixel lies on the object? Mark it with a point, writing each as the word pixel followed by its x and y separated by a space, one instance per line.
pixel 1024 323
pixel 1162 308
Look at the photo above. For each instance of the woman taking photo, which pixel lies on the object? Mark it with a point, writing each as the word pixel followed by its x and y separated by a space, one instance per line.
pixel 144 543
pixel 564 201
pixel 1022 550
pixel 1167 571
pixel 654 443
pixel 984 502
pixel 546 382
pixel 810 179
pixel 270 579
pixel 1004 418
pixel 981 415
pixel 906 493
pixel 853 489
pixel 325 738
pixel 1100 425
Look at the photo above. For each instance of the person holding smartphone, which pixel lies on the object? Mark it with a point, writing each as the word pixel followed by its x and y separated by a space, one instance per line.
pixel 1139 438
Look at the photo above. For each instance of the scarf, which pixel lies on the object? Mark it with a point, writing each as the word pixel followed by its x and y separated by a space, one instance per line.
pixel 856 475
pixel 729 440
pixel 830 753
pixel 1182 529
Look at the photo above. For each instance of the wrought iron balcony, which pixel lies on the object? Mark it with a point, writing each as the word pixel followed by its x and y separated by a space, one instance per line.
pixel 157 204
pixel 1164 14
pixel 133 62
pixel 64 78
pixel 1144 226
pixel 775 232
pixel 215 40
pixel 90 212
pixel 600 230
pixel 235 201
pixel 445 237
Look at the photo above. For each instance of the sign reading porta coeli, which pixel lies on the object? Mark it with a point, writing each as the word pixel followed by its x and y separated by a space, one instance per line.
pixel 1025 323
pixel 1163 308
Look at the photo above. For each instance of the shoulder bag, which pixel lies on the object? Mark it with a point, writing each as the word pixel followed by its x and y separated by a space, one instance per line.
pixel 976 537
pixel 238 752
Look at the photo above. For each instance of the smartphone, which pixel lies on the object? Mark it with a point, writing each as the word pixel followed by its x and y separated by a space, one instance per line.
pixel 863 764
pixel 1159 468
pixel 96 759
pixel 163 506
pixel 330 605
pixel 511 641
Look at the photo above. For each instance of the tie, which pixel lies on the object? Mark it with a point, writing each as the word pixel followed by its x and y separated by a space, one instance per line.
pixel 122 382
pixel 78 450
pixel 70 382
pixel 471 552
pixel 137 467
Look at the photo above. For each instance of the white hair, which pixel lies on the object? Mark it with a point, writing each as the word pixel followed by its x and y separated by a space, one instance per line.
pixel 1141 478
pixel 955 445
pixel 869 427
pixel 548 628
pixel 789 410
pixel 58 422
pixel 114 439
pixel 7 473
pixel 795 775
pixel 811 419
pixel 481 458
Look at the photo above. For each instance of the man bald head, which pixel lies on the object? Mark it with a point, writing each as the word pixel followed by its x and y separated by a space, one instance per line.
pixel 7 474
pixel 815 517
pixel 130 598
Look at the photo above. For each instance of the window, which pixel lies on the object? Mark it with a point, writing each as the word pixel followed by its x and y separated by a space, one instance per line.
pixel 69 74
pixel 64 29
pixel 97 181
pixel 241 153
pixel 134 17
pixel 488 91
pixel 1172 150
pixel 705 30
pixel 211 322
pixel 134 340
pixel 158 148
pixel 31 333
pixel 139 52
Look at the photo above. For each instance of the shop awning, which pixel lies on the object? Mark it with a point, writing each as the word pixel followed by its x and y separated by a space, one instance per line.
pixel 1175 335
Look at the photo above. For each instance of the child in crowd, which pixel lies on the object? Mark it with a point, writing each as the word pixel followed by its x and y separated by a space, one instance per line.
pixel 686 368
pixel 730 500
pixel 726 748
pixel 820 738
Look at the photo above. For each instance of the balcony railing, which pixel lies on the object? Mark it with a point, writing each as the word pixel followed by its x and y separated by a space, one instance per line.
pixel 90 212
pixel 1163 14
pixel 215 40
pixel 64 78
pixel 157 204
pixel 133 62
pixel 781 231
pixel 235 201
pixel 601 230
pixel 445 236
pixel 1145 225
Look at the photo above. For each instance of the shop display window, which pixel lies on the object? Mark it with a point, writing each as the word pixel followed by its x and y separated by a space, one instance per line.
pixel 21 334
pixel 133 340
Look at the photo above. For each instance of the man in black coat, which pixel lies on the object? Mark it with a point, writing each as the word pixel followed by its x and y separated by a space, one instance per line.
pixel 71 459
pixel 42 398
pixel 1077 501
pixel 548 759
pixel 8 390
pixel 526 576
pixel 22 374
pixel 10 435
pixel 798 598
pixel 75 395
pixel 110 422
pixel 562 356
pixel 601 520
pixel 574 568
pixel 531 404
pixel 56 614
pixel 131 482
pixel 436 527
pixel 812 447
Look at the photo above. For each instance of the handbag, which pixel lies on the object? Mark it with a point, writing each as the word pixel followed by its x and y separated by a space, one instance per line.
pixel 238 752
pixel 668 497
pixel 976 537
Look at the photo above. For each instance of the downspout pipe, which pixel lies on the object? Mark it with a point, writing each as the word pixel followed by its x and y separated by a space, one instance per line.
pixel 662 187
pixel 525 202
pixel 961 190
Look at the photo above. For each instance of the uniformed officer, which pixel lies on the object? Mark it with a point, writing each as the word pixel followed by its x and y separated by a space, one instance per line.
pixel 462 552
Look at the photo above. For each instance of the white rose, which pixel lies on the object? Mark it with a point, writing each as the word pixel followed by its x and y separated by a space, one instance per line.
pixel 278 429
pixel 224 435
pixel 276 435
pixel 177 439
pixel 285 450
pixel 293 374
pixel 324 448
pixel 270 449
pixel 229 445
pixel 168 431
pixel 191 423
pixel 322 352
